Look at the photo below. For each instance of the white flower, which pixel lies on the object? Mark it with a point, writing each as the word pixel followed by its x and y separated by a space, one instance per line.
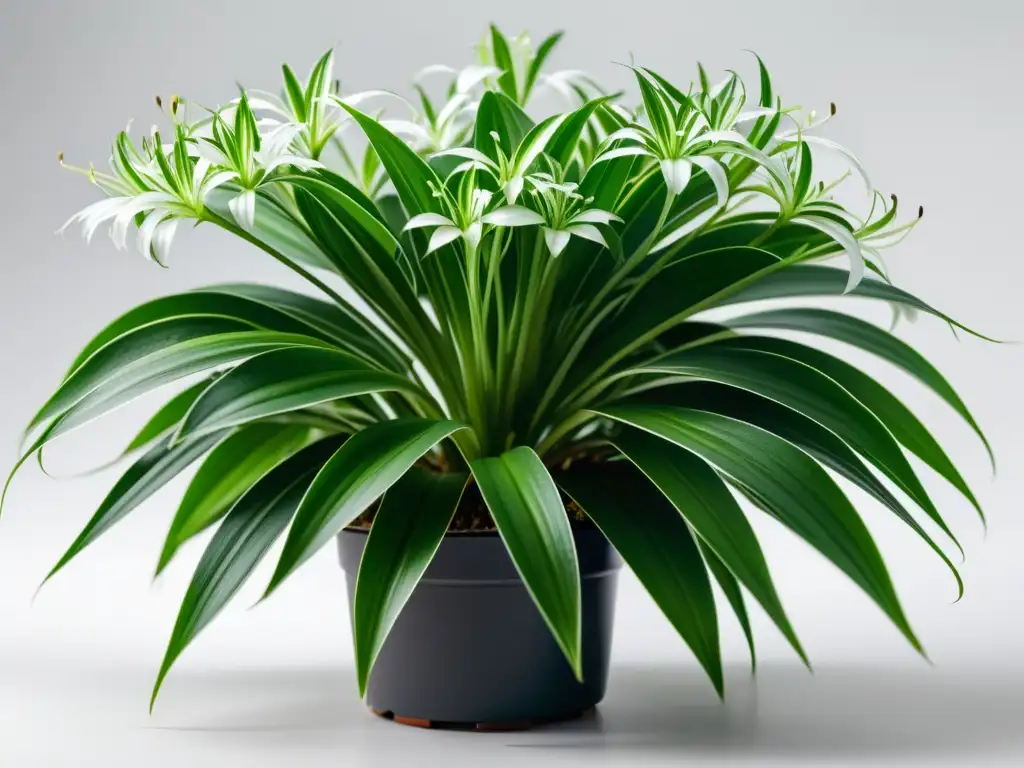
pixel 466 78
pixel 467 223
pixel 509 171
pixel 564 215
pixel 163 187
pixel 435 132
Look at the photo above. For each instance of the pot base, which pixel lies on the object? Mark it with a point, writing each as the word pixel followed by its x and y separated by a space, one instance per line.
pixel 499 727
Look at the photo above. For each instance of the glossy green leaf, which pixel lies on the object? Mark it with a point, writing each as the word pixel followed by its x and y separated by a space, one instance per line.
pixel 805 389
pixel 530 516
pixel 731 589
pixel 823 444
pixel 802 280
pixel 703 499
pixel 240 543
pixel 897 418
pixel 870 338
pixel 369 463
pixel 503 60
pixel 655 541
pixel 407 530
pixel 167 418
pixel 543 51
pixel 786 483
pixel 232 467
pixel 281 381
pixel 499 114
pixel 155 469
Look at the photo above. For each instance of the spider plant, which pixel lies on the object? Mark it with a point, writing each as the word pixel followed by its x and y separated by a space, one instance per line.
pixel 531 326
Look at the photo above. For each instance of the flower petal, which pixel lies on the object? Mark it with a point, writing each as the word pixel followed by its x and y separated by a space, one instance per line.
pixel 473 233
pixel 846 239
pixel 717 174
pixel 611 154
pixel 243 208
pixel 442 236
pixel 677 174
pixel 595 216
pixel 588 232
pixel 556 240
pixel 162 237
pixel 428 220
pixel 472 75
pixel 512 189
pixel 513 216
pixel 145 237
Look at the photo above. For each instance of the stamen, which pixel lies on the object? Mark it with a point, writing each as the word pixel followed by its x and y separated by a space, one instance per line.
pixel 920 211
pixel 174 105
pixel 60 158
pixel 159 102
pixel 832 109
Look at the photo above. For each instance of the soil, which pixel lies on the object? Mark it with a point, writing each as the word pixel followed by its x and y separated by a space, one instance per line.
pixel 472 516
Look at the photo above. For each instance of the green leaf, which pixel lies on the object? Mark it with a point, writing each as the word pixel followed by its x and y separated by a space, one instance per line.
pixel 530 516
pixel 798 384
pixel 562 146
pixel 146 476
pixel 870 338
pixel 408 171
pixel 285 380
pixel 655 541
pixel 240 543
pixel 503 60
pixel 800 280
pixel 232 467
pixel 786 483
pixel 499 114
pixel 407 530
pixel 197 306
pixel 293 89
pixel 543 51
pixel 731 589
pixel 807 434
pixel 897 418
pixel 128 349
pixel 701 497
pixel 362 469
pixel 167 418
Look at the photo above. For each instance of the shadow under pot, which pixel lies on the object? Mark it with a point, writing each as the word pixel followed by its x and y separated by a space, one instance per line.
pixel 471 650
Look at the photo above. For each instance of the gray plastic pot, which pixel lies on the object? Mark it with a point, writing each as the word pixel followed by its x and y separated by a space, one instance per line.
pixel 470 648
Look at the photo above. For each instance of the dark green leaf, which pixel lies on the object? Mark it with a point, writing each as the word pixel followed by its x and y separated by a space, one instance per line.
pixel 531 519
pixel 146 476
pixel 786 483
pixel 870 338
pixel 701 497
pixel 797 383
pixel 232 467
pixel 731 589
pixel 407 530
pixel 655 541
pixel 281 381
pixel 241 541
pixel 362 469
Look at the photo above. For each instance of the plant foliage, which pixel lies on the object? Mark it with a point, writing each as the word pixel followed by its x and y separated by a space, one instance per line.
pixel 533 300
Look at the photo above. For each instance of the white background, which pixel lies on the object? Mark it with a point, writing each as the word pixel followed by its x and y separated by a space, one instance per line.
pixel 926 97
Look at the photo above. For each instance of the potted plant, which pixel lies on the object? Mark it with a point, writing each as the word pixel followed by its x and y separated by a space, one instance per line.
pixel 520 383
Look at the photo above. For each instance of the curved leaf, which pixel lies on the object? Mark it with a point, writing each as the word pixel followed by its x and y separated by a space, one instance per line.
pixel 801 280
pixel 407 530
pixel 786 483
pixel 241 541
pixel 499 114
pixel 870 338
pixel 281 381
pixel 655 541
pixel 167 418
pixel 362 469
pixel 896 417
pixel 146 476
pixel 731 589
pixel 531 519
pixel 802 387
pixel 701 497
pixel 805 433
pixel 131 347
pixel 232 467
